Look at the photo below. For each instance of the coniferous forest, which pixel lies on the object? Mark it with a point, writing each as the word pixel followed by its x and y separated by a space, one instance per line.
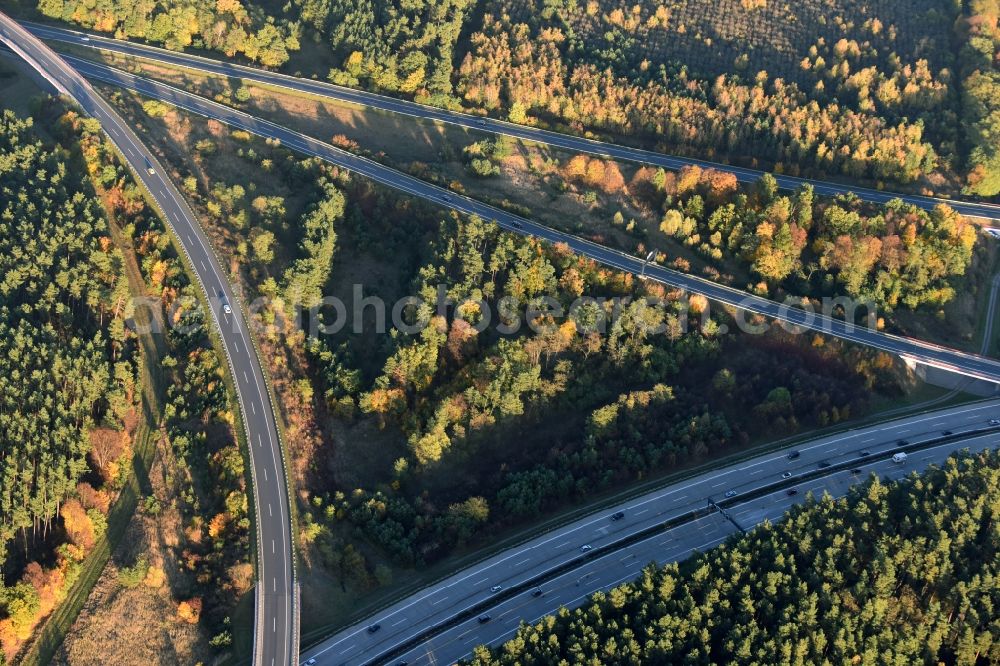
pixel 904 573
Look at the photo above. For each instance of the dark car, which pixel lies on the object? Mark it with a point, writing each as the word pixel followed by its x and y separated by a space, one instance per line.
pixel 517 225
pixel 855 471
pixel 618 515
pixel 902 442
pixel 483 619
pixel 824 463
pixel 373 628
pixel 791 491
pixel 946 432
pixel 793 455
pixel 537 592
pixel 864 454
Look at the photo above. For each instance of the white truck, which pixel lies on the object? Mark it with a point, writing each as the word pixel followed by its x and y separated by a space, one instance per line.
pixel 899 457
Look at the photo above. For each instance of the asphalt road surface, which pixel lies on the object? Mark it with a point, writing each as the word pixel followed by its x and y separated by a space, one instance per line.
pixel 568 142
pixel 970 365
pixel 276 610
pixel 403 625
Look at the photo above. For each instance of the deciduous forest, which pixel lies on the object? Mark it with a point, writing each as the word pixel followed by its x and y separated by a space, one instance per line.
pixel 886 92
pixel 902 573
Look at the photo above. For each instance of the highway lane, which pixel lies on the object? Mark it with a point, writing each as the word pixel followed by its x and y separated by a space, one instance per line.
pixel 601 574
pixel 408 620
pixel 970 365
pixel 276 616
pixel 480 123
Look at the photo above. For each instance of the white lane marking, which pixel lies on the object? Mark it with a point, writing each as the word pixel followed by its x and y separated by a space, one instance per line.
pixel 237 345
pixel 396 624
pixel 245 378
pixel 203 267
pixel 274 588
pixel 260 442
pixel 527 559
pixel 272 546
pixel 269 509
pixel 191 240
pixel 265 473
pixel 435 603
pixel 253 409
pixel 639 513
pixel 480 582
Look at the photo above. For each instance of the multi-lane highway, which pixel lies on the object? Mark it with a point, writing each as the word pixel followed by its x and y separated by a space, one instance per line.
pixel 276 616
pixel 407 628
pixel 970 365
pixel 556 139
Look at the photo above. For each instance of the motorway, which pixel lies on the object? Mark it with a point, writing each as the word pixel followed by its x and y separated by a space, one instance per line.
pixel 440 623
pixel 963 363
pixel 480 123
pixel 276 611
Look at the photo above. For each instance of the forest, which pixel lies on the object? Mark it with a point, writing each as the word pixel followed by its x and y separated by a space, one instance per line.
pixel 898 573
pixel 895 255
pixel 67 409
pixel 853 89
pixel 981 95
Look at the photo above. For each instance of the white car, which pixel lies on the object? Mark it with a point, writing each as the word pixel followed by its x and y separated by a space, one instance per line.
pixel 584 548
pixel 225 308
pixel 786 475
pixel 994 421
pixel 730 493
pixel 496 588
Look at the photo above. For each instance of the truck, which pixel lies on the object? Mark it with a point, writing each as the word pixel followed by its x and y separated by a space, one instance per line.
pixel 899 457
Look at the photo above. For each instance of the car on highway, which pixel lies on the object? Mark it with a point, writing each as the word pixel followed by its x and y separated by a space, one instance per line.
pixel 902 442
pixel 445 197
pixel 864 454
pixel 823 464
pixel 309 662
pixel 482 121
pixel 994 421
pixel 791 491
pixel 584 548
pixel 855 471
pixel 793 455
pixel 899 458
pixel 496 588
pixel 227 309
pixel 483 619
pixel 537 592
pixel 372 628
pixel 149 167
pixel 517 225
pixel 786 475
pixel 730 493
pixel 617 515
pixel 946 432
